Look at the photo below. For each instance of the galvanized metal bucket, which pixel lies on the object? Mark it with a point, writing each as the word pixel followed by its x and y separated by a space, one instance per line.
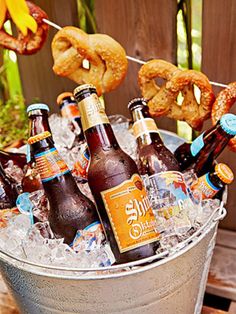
pixel 170 283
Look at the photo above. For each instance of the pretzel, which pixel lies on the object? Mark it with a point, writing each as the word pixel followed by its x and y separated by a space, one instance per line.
pixel 224 101
pixel 32 42
pixel 164 100
pixel 108 63
pixel 154 93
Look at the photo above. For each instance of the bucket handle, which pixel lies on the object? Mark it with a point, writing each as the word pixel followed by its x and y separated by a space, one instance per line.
pixel 221 213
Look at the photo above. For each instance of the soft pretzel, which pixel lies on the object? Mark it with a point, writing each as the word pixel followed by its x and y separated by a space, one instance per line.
pixel 32 42
pixel 224 101
pixel 108 63
pixel 154 93
pixel 163 100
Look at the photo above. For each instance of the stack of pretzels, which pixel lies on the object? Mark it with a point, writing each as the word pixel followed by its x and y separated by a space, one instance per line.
pixel 162 99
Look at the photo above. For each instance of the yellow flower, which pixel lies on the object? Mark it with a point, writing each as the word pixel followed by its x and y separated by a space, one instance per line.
pixel 19 13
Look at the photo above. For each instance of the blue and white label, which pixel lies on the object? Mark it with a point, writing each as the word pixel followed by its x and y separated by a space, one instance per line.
pixel 88 237
pixel 197 145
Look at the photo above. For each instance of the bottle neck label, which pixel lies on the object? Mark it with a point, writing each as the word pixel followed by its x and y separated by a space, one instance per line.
pixel 130 214
pixel 50 165
pixel 197 145
pixel 144 126
pixel 167 189
pixel 70 111
pixel 205 187
pixel 92 112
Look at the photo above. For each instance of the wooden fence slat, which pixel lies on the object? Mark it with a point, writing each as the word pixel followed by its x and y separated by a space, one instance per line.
pixel 38 78
pixel 219 64
pixel 146 29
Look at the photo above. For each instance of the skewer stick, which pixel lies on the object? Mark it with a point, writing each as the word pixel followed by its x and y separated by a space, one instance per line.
pixel 128 57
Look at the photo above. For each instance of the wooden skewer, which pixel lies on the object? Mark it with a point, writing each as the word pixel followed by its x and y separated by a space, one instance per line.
pixel 128 57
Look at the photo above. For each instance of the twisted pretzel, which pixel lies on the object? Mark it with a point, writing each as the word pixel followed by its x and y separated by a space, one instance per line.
pixel 108 63
pixel 32 42
pixel 224 101
pixel 162 100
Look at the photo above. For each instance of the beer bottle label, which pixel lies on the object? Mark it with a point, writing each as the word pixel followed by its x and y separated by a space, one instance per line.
pixel 165 190
pixel 93 230
pixel 70 111
pixel 50 165
pixel 82 161
pixel 92 112
pixel 205 186
pixel 130 214
pixel 146 125
pixel 197 145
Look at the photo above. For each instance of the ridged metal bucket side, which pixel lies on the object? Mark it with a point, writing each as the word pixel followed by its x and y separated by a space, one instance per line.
pixel 174 285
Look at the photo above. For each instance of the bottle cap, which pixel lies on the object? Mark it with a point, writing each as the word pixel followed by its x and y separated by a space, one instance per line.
pixel 136 102
pixel 38 137
pixel 63 96
pixel 224 173
pixel 82 87
pixel 228 123
pixel 37 107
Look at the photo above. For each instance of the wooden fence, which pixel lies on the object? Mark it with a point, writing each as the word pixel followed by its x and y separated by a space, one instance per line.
pixel 146 29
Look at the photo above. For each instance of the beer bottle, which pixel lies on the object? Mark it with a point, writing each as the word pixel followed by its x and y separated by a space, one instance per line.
pixel 69 109
pixel 8 194
pixel 116 185
pixel 38 123
pixel 200 154
pixel 212 182
pixel 38 119
pixel 17 159
pixel 70 210
pixel 153 155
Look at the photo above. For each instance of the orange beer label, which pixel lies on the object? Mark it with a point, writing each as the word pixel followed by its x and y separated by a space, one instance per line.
pixel 50 165
pixel 205 186
pixel 130 214
pixel 143 126
pixel 70 111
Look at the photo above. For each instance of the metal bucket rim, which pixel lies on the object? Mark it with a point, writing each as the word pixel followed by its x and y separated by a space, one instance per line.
pixel 211 223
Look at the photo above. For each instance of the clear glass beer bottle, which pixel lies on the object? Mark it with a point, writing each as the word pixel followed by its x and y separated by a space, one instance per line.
pixel 70 210
pixel 116 185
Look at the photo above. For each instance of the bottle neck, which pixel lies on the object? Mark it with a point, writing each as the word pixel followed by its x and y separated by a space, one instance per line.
pixel 144 127
pixel 38 122
pixel 69 109
pixel 211 142
pixel 101 137
pixel 95 123
pixel 216 181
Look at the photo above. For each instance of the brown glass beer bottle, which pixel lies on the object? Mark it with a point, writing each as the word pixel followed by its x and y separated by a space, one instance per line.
pixel 116 184
pixel 200 154
pixel 38 123
pixel 8 194
pixel 17 159
pixel 69 109
pixel 212 182
pixel 153 155
pixel 70 210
